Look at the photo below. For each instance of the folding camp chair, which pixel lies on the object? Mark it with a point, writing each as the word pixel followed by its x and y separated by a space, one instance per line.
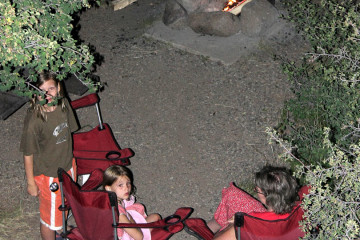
pixel 248 227
pixel 97 148
pixel 96 214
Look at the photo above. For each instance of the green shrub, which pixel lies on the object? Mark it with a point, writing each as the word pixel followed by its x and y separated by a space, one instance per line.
pixel 326 99
pixel 325 82
pixel 35 35
pixel 333 206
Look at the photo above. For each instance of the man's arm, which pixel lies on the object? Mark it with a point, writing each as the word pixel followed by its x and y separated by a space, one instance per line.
pixel 32 188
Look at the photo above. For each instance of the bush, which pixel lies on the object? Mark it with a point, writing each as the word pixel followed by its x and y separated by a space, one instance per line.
pixel 35 35
pixel 326 102
pixel 325 82
pixel 333 206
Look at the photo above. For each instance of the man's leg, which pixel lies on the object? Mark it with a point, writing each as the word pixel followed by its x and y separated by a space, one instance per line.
pixel 46 233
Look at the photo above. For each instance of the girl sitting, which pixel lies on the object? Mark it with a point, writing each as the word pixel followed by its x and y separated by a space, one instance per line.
pixel 119 179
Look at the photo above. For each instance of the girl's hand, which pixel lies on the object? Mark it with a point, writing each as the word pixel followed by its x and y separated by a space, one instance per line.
pixel 135 233
pixel 33 190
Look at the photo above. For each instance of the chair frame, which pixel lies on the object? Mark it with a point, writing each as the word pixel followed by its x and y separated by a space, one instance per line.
pixel 165 227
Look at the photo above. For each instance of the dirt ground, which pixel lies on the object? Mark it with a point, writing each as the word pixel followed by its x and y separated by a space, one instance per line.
pixel 195 125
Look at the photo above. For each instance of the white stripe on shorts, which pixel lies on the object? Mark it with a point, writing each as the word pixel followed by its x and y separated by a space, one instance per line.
pixel 53 207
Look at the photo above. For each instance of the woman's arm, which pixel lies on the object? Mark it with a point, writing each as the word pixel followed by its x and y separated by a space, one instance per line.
pixel 32 188
pixel 135 233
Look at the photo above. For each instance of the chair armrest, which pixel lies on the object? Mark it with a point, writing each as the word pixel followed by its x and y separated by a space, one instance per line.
pixel 104 155
pixel 172 223
pixel 85 101
pixel 94 181
pixel 198 228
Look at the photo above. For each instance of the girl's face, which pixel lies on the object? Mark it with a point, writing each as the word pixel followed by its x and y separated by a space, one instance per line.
pixel 51 90
pixel 122 188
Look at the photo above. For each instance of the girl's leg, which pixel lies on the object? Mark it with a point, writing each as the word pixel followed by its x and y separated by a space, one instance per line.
pixel 153 217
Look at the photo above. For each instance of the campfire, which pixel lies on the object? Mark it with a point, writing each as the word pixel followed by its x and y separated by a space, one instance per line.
pixel 235 6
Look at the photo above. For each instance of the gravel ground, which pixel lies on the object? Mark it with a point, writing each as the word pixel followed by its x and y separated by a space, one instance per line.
pixel 194 125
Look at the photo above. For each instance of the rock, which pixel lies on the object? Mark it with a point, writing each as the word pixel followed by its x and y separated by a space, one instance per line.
pixel 219 23
pixel 175 15
pixel 212 6
pixel 257 17
pixel 193 5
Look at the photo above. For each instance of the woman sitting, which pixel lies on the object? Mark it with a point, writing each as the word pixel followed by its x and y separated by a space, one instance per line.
pixel 277 191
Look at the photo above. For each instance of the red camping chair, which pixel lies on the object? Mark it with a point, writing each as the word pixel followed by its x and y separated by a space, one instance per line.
pixel 96 214
pixel 248 227
pixel 97 148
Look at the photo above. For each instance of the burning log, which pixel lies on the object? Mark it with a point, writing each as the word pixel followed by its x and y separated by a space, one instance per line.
pixel 235 6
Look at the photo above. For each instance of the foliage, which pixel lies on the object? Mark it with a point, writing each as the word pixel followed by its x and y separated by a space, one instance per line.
pixel 333 205
pixel 325 82
pixel 326 99
pixel 35 35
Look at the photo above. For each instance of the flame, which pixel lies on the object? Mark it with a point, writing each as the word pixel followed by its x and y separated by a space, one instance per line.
pixel 232 3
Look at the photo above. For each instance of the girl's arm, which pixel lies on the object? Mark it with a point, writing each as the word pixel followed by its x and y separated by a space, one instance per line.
pixel 32 188
pixel 135 233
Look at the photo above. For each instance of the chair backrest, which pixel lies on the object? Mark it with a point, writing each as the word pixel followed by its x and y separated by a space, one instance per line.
pixel 98 148
pixel 91 209
pixel 281 229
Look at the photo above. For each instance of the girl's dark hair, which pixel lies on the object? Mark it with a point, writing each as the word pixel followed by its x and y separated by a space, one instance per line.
pixel 112 173
pixel 279 187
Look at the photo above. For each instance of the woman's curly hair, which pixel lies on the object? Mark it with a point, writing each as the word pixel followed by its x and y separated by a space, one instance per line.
pixel 279 187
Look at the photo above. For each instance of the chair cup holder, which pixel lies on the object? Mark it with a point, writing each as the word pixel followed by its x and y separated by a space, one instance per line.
pixel 172 219
pixel 113 155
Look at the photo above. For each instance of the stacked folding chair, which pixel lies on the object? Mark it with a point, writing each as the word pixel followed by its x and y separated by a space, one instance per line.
pixel 95 211
pixel 97 148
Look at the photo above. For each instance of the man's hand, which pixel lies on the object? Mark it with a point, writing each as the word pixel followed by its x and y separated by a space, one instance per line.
pixel 33 190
